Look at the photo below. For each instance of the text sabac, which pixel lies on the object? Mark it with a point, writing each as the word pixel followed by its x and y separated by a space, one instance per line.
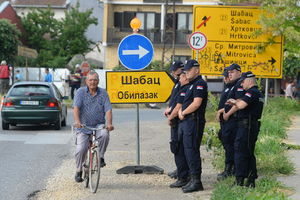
pixel 129 80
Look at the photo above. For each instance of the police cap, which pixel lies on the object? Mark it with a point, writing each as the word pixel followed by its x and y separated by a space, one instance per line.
pixel 248 74
pixel 176 65
pixel 234 66
pixel 190 63
pixel 225 72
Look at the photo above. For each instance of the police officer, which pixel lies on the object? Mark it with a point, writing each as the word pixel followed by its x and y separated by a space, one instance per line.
pixel 229 128
pixel 192 115
pixel 176 69
pixel 249 108
pixel 176 148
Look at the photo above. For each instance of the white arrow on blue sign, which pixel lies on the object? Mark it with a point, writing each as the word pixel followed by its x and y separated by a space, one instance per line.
pixel 135 52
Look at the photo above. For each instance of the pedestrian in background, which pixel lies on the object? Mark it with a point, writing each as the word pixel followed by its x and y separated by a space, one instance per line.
pixel 18 76
pixel 192 115
pixel 75 80
pixel 249 110
pixel 4 77
pixel 176 69
pixel 48 76
pixel 290 90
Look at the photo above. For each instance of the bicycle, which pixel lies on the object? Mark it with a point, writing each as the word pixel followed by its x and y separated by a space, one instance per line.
pixel 92 164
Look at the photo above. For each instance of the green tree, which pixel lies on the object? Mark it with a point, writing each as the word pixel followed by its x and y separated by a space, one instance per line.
pixel 9 40
pixel 72 38
pixel 57 41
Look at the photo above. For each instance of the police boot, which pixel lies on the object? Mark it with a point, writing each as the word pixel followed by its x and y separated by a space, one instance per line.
pixel 173 174
pixel 227 172
pixel 195 184
pixel 250 183
pixel 239 181
pixel 179 183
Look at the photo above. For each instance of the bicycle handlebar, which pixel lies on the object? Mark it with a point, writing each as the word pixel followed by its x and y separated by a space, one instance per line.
pixel 99 127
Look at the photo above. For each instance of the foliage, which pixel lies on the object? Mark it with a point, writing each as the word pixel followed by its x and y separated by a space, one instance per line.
pixel 269 151
pixel 9 40
pixel 57 41
pixel 267 188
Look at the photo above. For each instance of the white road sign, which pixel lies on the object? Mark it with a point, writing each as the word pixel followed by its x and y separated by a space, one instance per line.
pixel 197 41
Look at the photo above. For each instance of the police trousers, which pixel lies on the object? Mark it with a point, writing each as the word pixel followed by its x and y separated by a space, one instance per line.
pixel 82 144
pixel 229 131
pixel 188 160
pixel 244 146
pixel 174 143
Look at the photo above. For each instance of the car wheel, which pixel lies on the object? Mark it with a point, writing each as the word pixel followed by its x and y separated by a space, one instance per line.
pixel 64 122
pixel 57 125
pixel 5 126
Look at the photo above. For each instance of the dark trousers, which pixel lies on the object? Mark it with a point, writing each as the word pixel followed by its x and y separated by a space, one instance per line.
pixel 188 160
pixel 73 88
pixel 244 159
pixel 229 130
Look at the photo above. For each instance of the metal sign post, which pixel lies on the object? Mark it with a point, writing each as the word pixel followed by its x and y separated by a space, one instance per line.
pixel 135 53
pixel 138 152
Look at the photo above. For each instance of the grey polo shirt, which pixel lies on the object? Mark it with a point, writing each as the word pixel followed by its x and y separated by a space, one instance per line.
pixel 92 108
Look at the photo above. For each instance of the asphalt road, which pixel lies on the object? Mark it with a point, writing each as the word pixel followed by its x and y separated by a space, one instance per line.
pixel 29 154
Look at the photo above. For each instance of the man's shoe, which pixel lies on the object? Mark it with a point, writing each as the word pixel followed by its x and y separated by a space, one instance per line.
pixel 228 171
pixel 102 162
pixel 179 183
pixel 194 185
pixel 250 183
pixel 173 174
pixel 78 177
pixel 239 181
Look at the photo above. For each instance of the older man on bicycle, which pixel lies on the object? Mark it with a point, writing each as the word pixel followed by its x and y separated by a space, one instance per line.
pixel 91 108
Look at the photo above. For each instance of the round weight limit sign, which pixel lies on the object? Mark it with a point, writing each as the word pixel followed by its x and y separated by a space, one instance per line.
pixel 197 41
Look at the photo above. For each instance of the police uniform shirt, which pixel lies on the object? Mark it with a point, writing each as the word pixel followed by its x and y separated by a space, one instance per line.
pixel 174 93
pixel 224 94
pixel 181 94
pixel 253 98
pixel 236 92
pixel 196 88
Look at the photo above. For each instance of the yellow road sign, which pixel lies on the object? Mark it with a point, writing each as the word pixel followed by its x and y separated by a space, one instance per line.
pixel 139 86
pixel 231 39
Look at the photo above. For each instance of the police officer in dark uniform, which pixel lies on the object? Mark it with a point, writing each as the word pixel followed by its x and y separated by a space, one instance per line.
pixel 176 147
pixel 192 115
pixel 176 69
pixel 219 115
pixel 249 109
pixel 229 128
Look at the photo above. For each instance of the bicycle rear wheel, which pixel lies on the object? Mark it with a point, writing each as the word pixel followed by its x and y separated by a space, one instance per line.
pixel 86 167
pixel 94 170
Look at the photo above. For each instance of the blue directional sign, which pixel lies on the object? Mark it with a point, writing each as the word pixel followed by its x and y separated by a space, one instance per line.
pixel 135 52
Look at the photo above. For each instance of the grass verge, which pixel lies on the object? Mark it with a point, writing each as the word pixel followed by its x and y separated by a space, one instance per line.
pixel 270 153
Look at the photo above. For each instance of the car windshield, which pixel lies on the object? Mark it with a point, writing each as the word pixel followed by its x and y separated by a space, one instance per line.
pixel 30 90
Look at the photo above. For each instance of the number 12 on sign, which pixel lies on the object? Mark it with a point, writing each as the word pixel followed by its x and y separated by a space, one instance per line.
pixel 197 41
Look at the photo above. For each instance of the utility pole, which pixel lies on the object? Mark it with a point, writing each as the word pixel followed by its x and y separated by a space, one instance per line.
pixel 168 40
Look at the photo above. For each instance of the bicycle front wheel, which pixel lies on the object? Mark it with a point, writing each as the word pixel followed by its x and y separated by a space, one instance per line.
pixel 94 170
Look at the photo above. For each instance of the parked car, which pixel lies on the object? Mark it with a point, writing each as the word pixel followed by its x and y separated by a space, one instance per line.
pixel 33 103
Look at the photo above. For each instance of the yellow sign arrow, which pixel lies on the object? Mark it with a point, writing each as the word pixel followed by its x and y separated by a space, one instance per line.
pixel 139 86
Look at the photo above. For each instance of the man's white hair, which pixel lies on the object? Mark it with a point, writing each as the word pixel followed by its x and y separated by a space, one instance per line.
pixel 3 62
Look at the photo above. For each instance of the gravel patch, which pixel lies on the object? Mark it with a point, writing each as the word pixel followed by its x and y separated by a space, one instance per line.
pixel 121 152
